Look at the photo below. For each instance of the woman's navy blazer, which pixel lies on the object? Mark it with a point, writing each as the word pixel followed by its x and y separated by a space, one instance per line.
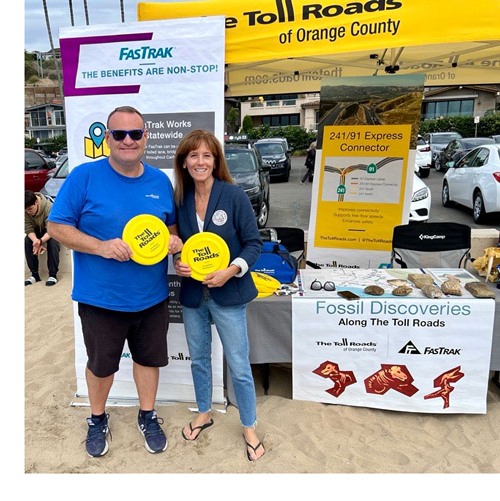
pixel 230 204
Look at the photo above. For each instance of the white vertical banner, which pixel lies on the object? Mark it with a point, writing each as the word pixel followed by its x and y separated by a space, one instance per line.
pixel 172 71
pixel 402 354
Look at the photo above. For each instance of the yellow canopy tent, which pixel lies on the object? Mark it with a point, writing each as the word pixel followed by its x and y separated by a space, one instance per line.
pixel 287 46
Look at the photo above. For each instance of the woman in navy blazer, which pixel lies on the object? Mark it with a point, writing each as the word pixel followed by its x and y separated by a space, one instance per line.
pixel 208 200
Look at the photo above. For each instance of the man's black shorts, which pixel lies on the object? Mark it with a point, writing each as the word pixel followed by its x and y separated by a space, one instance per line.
pixel 105 332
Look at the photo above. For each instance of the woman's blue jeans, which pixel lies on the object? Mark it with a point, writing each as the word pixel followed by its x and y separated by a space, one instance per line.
pixel 231 325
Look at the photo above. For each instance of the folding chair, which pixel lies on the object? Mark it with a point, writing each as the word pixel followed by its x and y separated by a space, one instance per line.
pixel 291 238
pixel 431 245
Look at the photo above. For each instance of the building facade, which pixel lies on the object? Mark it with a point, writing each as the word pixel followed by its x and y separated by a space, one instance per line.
pixel 303 109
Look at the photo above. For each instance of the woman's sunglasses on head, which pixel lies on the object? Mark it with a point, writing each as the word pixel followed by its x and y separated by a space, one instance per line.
pixel 120 135
pixel 327 286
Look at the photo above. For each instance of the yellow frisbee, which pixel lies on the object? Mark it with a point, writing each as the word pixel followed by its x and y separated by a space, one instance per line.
pixel 148 237
pixel 205 253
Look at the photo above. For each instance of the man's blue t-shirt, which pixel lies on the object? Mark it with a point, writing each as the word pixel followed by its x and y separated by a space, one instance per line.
pixel 99 202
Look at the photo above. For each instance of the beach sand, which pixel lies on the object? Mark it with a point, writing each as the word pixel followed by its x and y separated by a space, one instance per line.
pixel 300 437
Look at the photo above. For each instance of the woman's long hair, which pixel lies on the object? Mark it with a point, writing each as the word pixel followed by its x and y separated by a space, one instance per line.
pixel 183 180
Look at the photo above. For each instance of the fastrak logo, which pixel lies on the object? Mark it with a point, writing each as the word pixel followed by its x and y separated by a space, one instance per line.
pixel 145 53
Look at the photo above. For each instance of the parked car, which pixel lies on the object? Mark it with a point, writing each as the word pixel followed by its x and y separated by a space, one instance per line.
pixel 55 181
pixel 249 172
pixel 457 148
pixel 275 154
pixel 423 157
pixel 474 181
pixel 36 169
pixel 496 138
pixel 62 151
pixel 61 159
pixel 420 206
pixel 438 141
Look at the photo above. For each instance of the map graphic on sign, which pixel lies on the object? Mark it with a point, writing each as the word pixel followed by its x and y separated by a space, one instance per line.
pixel 95 146
pixel 349 179
pixel 391 377
pixel 341 379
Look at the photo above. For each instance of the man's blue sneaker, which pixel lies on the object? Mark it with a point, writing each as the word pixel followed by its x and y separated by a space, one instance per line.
pixel 96 443
pixel 149 426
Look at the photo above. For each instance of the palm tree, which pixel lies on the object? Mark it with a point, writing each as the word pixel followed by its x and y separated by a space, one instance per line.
pixel 71 12
pixel 58 71
pixel 86 11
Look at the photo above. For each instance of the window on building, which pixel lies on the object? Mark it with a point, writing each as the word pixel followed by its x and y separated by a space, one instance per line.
pixel 38 118
pixel 455 108
pixel 58 118
pixel 281 120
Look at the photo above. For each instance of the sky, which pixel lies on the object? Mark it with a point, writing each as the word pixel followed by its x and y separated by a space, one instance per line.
pixel 100 12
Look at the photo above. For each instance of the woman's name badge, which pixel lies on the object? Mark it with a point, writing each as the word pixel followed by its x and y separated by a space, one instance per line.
pixel 219 218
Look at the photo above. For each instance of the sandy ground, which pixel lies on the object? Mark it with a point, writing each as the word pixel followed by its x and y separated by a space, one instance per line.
pixel 300 437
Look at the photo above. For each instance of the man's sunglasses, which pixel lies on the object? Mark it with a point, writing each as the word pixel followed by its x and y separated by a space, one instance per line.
pixel 327 286
pixel 120 135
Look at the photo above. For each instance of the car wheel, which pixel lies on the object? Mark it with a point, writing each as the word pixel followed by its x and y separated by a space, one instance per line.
pixel 437 165
pixel 264 214
pixel 445 195
pixel 478 212
pixel 424 172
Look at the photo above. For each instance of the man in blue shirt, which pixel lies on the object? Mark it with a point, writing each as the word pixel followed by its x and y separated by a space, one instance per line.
pixel 118 299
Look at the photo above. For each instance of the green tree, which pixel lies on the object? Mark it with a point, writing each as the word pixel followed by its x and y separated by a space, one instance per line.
pixel 247 125
pixel 465 126
pixel 232 120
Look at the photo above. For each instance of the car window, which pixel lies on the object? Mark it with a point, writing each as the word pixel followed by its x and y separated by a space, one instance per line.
pixel 452 145
pixel 33 161
pixel 241 162
pixel 270 148
pixel 481 158
pixel 420 142
pixel 443 138
pixel 63 171
pixel 477 141
pixel 467 160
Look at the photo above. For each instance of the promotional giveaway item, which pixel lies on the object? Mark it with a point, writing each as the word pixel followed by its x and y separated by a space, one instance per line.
pixel 266 285
pixel 276 261
pixel 205 253
pixel 148 237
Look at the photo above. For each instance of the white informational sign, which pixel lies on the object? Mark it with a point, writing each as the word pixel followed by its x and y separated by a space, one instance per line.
pixel 408 353
pixel 172 71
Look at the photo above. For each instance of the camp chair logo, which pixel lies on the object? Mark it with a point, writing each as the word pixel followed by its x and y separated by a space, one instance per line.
pixel 391 377
pixel 341 379
pixel 444 383
pixel 95 146
pixel 432 237
pixel 409 349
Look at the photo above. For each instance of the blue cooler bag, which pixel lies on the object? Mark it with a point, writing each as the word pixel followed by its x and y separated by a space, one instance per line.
pixel 276 261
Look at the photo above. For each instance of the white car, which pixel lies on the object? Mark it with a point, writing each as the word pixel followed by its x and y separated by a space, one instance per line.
pixel 474 181
pixel 420 206
pixel 423 157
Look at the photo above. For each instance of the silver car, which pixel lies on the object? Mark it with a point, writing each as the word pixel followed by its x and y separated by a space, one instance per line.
pixel 438 141
pixel 53 185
